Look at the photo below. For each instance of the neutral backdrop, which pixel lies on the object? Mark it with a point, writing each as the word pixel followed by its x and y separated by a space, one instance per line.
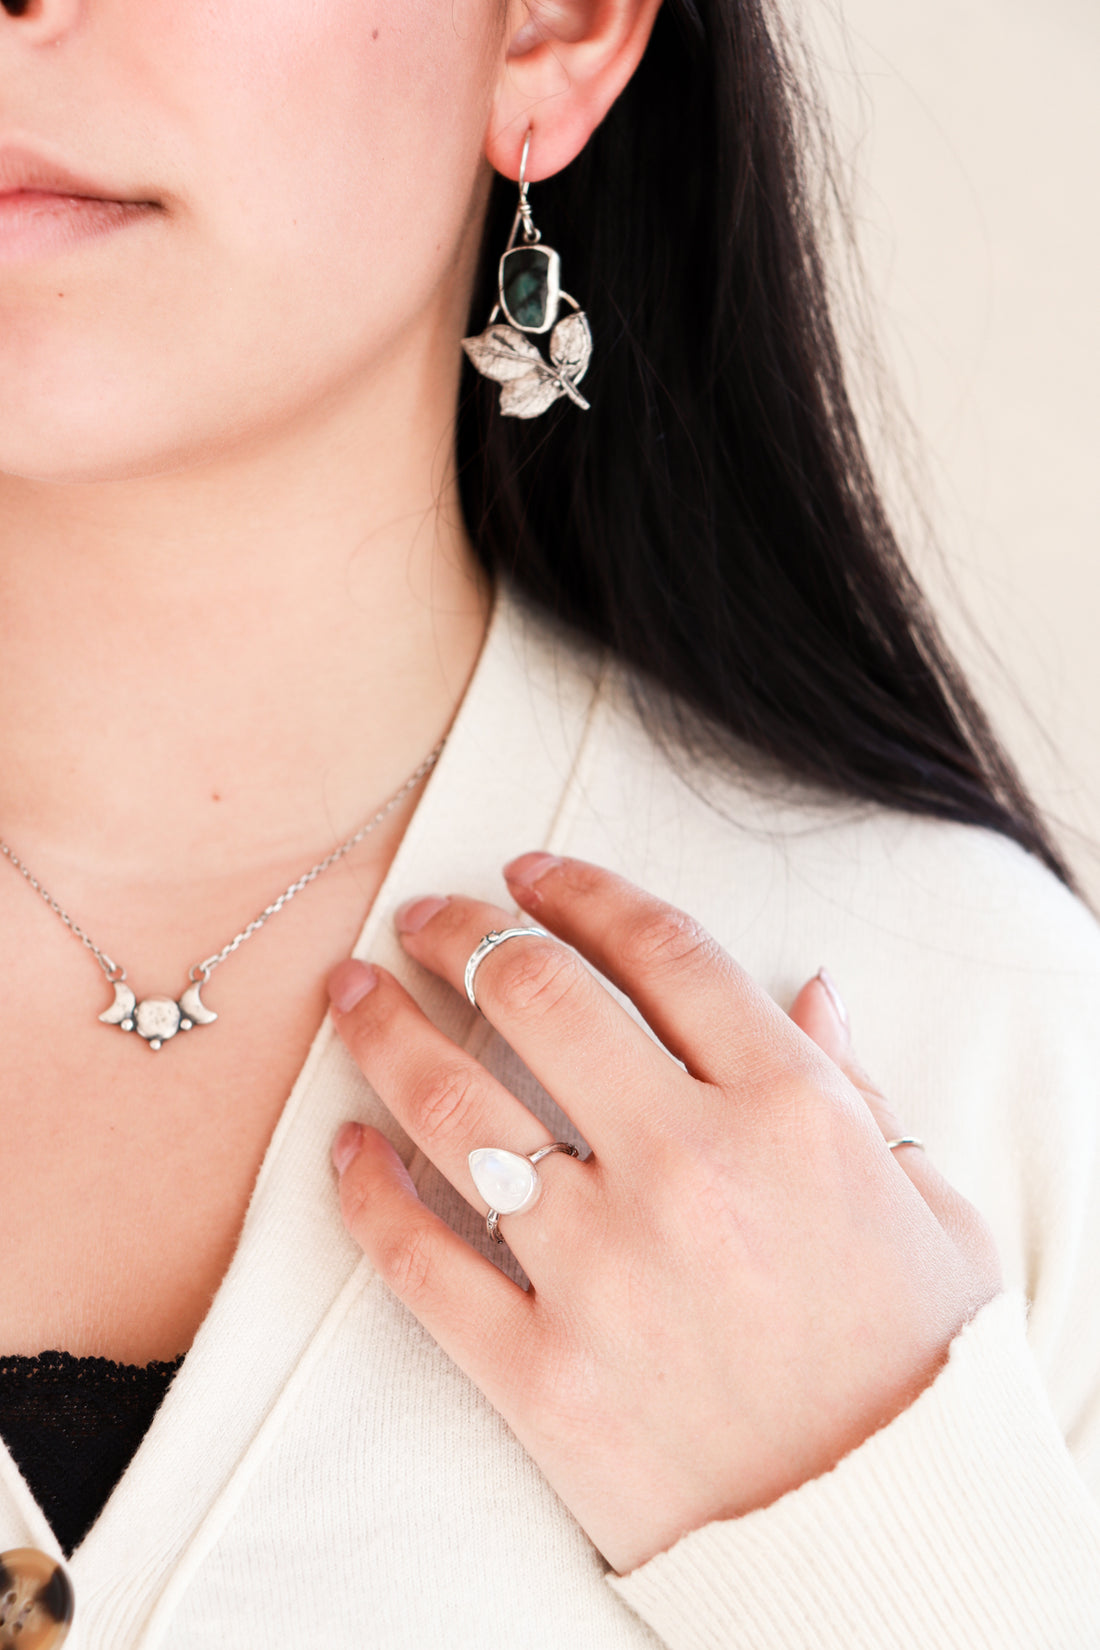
pixel 971 135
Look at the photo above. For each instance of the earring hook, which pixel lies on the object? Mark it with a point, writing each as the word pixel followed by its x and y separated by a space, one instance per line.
pixel 530 233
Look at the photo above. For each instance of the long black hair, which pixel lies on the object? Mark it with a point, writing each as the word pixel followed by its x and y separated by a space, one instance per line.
pixel 714 518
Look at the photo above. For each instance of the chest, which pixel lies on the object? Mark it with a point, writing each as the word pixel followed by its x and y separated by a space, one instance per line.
pixel 128 1171
pixel 125 1190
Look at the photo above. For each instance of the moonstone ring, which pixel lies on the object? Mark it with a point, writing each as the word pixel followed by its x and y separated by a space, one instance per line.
pixel 489 943
pixel 508 1182
pixel 905 1140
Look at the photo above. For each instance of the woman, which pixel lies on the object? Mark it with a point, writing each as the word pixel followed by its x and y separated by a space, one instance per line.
pixel 770 1384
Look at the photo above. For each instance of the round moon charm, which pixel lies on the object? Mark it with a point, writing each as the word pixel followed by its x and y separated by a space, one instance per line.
pixel 157 1019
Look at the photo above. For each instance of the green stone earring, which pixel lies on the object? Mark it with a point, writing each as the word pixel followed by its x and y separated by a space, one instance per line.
pixel 530 296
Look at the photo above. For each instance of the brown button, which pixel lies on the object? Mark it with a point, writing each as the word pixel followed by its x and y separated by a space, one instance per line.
pixel 36 1600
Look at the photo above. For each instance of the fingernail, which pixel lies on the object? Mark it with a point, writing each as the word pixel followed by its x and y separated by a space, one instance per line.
pixel 833 992
pixel 349 1138
pixel 530 868
pixel 411 917
pixel 349 983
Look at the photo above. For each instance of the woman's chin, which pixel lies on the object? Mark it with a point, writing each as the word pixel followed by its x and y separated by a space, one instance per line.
pixel 86 423
pixel 70 452
pixel 62 450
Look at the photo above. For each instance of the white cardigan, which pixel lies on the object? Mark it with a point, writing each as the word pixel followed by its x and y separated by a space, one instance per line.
pixel 320 1475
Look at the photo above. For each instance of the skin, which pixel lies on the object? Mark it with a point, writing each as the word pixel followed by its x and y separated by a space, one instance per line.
pixel 237 600
pixel 796 1278
pixel 237 606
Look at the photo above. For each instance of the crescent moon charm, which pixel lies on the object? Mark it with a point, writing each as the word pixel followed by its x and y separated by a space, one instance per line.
pixel 121 1011
pixel 157 1019
pixel 194 1009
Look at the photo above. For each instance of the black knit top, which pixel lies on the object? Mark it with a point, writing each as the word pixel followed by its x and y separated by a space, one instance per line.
pixel 73 1425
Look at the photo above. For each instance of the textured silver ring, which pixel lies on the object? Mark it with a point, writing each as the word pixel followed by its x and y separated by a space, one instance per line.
pixel 905 1140
pixel 508 1182
pixel 495 937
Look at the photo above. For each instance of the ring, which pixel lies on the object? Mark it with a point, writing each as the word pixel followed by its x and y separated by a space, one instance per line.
pixel 482 949
pixel 905 1140
pixel 508 1182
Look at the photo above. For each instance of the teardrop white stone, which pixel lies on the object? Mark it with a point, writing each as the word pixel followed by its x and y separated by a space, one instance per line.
pixel 507 1182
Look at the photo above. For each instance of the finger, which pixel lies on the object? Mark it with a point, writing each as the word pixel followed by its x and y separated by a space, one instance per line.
pixel 705 1009
pixel 475 1313
pixel 443 1098
pixel 819 1011
pixel 580 1043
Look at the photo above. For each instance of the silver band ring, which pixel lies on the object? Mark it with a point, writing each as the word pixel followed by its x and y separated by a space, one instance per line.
pixel 489 943
pixel 508 1182
pixel 905 1140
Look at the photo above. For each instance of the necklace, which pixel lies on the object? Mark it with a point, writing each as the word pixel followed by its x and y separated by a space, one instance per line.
pixel 158 1019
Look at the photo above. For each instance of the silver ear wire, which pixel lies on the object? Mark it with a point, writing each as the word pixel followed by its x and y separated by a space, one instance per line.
pixel 530 233
pixel 529 294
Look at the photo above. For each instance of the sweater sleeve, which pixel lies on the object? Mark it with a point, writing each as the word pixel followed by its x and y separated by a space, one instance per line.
pixel 963 1523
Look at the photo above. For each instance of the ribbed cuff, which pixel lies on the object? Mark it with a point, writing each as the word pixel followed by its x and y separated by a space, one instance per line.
pixel 964 1523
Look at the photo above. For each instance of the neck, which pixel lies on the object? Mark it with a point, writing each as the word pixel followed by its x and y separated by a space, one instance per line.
pixel 232 665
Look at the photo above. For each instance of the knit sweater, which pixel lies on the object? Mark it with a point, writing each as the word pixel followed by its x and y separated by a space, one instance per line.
pixel 320 1474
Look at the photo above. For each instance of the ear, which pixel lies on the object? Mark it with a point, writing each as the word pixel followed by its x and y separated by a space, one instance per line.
pixel 565 62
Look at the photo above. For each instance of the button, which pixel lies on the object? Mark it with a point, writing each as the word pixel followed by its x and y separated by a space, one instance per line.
pixel 36 1600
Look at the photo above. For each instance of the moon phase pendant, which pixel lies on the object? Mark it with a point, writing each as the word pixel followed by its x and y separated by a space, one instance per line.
pixel 157 1019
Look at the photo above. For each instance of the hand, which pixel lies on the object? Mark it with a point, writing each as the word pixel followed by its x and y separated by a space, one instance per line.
pixel 736 1288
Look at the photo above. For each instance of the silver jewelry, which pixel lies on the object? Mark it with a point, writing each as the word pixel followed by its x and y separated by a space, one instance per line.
pixel 529 293
pixel 483 947
pixel 508 1182
pixel 157 1019
pixel 905 1140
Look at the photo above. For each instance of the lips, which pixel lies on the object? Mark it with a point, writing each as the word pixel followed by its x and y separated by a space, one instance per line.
pixel 47 208
pixel 24 171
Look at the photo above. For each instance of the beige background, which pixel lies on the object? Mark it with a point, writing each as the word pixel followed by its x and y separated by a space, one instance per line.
pixel 972 130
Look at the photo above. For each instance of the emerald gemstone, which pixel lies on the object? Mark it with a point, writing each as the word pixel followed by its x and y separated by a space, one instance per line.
pixel 529 287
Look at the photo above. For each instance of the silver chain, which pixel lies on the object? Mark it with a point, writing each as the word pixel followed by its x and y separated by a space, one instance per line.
pixel 203 970
pixel 111 969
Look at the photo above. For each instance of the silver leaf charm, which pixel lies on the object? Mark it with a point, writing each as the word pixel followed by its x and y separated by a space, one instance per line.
pixel 528 397
pixel 571 345
pixel 530 384
pixel 503 354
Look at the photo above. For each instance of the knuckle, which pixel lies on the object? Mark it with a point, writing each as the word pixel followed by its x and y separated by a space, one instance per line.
pixel 667 938
pixel 820 1130
pixel 406 1260
pixel 537 977
pixel 443 1101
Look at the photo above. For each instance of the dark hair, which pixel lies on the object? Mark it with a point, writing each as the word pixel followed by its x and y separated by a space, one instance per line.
pixel 714 519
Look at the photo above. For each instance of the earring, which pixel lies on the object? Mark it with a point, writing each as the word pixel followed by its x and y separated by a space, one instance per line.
pixel 530 295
